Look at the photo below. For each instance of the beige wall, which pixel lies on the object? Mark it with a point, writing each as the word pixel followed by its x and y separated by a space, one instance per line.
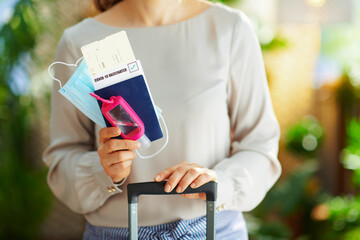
pixel 290 75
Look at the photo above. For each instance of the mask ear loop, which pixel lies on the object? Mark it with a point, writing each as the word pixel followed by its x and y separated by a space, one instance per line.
pixel 162 148
pixel 67 64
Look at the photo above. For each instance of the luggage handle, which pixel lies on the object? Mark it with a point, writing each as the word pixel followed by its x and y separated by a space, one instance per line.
pixel 157 188
pixel 134 190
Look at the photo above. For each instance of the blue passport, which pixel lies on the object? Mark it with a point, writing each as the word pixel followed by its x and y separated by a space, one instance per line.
pixel 136 94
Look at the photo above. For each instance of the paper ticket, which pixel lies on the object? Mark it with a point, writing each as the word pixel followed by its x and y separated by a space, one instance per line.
pixel 108 53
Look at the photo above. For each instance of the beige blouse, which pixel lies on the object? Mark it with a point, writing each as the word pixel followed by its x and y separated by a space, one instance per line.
pixel 207 75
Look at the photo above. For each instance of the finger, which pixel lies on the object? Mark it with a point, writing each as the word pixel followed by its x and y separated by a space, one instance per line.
pixel 194 196
pixel 165 174
pixel 118 157
pixel 204 178
pixel 120 166
pixel 175 177
pixel 119 171
pixel 190 195
pixel 106 134
pixel 113 145
pixel 189 177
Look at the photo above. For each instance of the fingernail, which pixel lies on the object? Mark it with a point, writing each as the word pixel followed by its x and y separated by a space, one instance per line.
pixel 157 178
pixel 167 188
pixel 178 189
pixel 193 185
pixel 137 144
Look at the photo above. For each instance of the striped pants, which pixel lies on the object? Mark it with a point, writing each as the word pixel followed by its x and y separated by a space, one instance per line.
pixel 230 225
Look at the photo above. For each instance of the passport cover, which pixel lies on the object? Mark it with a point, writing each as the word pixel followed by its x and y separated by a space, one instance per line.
pixel 136 94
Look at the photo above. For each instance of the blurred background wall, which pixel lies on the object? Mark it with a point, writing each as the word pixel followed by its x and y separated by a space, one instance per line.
pixel 312 56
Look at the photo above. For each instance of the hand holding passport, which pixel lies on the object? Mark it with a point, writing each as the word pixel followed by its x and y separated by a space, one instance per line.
pixel 116 72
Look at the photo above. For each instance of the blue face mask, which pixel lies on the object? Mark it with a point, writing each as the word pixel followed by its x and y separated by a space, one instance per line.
pixel 77 90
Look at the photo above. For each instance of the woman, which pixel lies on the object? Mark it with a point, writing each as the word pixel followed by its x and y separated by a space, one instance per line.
pixel 205 70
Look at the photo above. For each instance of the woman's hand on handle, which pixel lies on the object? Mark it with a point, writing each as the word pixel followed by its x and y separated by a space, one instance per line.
pixel 116 155
pixel 184 175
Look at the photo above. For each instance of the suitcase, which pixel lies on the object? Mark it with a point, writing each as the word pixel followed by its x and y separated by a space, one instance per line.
pixel 134 190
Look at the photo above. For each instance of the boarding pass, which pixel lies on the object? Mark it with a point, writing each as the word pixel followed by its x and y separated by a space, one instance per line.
pixel 109 53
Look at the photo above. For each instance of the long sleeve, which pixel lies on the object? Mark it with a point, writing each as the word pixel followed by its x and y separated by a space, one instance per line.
pixel 253 167
pixel 75 175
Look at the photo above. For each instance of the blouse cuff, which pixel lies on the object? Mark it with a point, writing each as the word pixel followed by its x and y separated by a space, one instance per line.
pixel 225 191
pixel 92 186
pixel 233 192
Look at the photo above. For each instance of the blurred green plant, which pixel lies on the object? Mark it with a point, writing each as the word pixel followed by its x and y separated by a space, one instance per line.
pixel 297 207
pixel 342 213
pixel 351 154
pixel 228 2
pixel 348 96
pixel 24 196
pixel 260 229
pixel 269 38
pixel 341 42
pixel 285 213
pixel 305 137
pixel 278 42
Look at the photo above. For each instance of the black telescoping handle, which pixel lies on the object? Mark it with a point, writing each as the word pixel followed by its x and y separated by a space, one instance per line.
pixel 157 188
pixel 134 190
